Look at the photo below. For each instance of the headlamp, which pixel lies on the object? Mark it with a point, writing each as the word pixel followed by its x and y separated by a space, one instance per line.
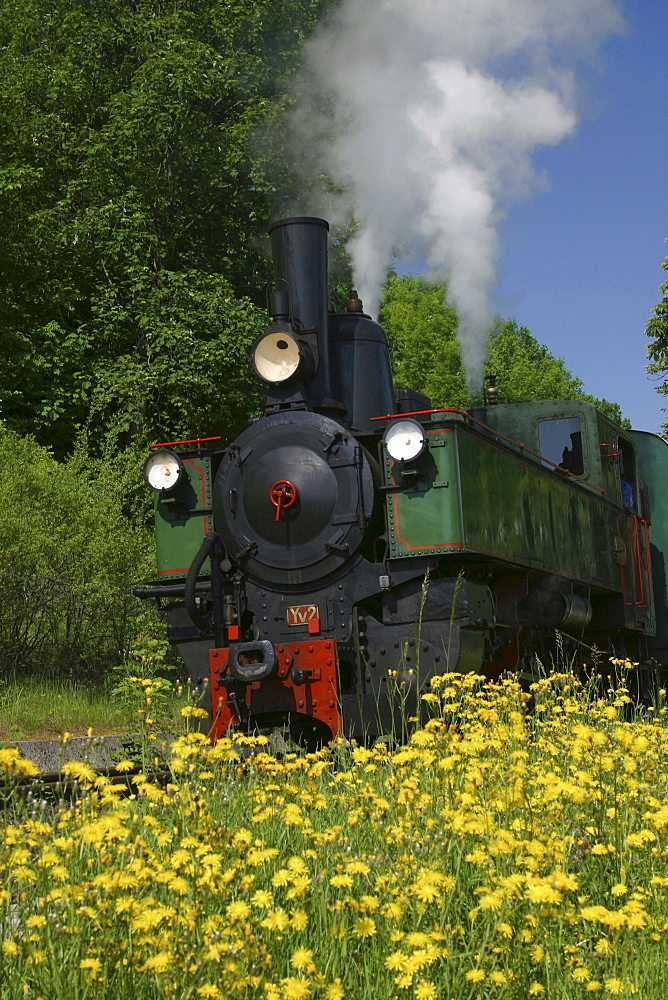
pixel 278 355
pixel 405 440
pixel 163 470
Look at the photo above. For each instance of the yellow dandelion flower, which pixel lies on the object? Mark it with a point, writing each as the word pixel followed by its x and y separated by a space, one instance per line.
pixel 417 939
pixel 300 884
pixel 11 760
pixel 179 885
pixel 193 711
pixel 341 881
pixel 238 910
pixel 425 990
pixel 536 989
pixel 396 961
pixel 581 974
pixel 210 991
pixel 426 892
pixel 78 771
pixel 294 988
pixel 125 765
pixel 298 920
pixel 262 897
pixel 10 947
pixel 242 838
pixel 358 868
pixel 640 838
pixel 335 991
pixel 542 893
pixel 301 958
pixel 505 930
pixel 635 915
pixel 158 962
pixel 292 815
pixel 364 927
pixel 277 920
pixel 91 964
pixel 593 986
pixel 498 977
pixel 491 901
pixel 475 975
pixel 614 985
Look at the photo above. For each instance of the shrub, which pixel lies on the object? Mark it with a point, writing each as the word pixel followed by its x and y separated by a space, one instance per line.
pixel 70 555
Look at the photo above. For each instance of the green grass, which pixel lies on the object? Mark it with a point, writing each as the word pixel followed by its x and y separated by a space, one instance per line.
pixel 41 708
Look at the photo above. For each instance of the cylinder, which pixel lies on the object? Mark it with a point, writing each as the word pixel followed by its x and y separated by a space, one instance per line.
pixel 299 253
pixel 578 611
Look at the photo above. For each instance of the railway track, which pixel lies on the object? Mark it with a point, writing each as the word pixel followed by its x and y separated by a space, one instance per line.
pixel 55 785
pixel 101 753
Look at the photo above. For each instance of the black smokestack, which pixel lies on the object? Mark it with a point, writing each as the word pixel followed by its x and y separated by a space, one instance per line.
pixel 299 252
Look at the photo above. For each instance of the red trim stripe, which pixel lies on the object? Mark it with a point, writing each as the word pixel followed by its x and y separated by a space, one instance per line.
pixel 169 444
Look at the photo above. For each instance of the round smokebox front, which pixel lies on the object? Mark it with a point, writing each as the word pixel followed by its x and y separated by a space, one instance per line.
pixel 292 497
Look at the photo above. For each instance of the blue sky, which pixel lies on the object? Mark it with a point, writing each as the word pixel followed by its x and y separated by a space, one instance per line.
pixel 581 260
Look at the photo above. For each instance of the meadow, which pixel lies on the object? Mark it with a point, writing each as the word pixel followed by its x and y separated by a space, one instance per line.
pixel 507 850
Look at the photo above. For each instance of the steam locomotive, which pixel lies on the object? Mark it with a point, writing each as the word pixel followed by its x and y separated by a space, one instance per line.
pixel 354 541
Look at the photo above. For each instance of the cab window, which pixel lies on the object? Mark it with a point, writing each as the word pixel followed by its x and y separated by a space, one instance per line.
pixel 560 441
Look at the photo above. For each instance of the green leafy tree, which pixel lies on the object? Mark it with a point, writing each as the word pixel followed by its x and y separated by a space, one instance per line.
pixel 421 331
pixel 135 190
pixel 657 329
pixel 421 328
pixel 526 369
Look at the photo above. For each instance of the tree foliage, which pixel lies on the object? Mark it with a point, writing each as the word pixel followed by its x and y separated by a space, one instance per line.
pixel 421 331
pixel 657 329
pixel 421 327
pixel 134 194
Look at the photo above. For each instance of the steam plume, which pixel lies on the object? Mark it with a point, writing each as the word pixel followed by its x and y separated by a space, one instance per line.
pixel 425 113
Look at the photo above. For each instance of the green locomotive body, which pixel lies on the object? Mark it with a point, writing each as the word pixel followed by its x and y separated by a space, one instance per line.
pixel 491 492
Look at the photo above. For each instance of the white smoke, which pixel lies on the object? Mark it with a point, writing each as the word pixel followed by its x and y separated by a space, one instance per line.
pixel 425 113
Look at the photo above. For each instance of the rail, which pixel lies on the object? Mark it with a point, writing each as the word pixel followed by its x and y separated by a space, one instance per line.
pixel 52 784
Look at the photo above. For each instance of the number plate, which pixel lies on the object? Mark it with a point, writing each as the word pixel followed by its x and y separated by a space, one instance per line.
pixel 302 614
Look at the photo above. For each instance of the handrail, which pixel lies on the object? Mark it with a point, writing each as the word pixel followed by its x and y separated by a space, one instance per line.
pixel 642 603
pixel 517 444
pixel 167 444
